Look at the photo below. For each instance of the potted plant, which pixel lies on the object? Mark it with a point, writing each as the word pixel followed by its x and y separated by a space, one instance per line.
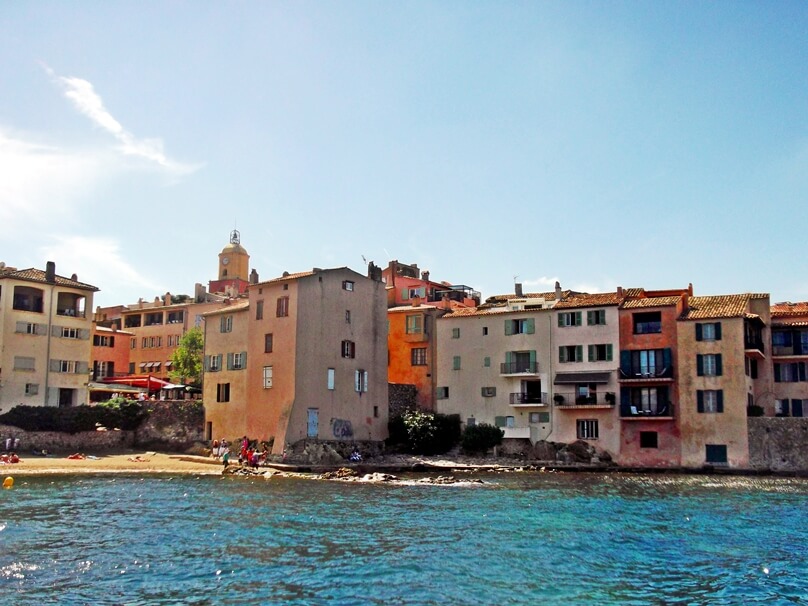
pixel 558 398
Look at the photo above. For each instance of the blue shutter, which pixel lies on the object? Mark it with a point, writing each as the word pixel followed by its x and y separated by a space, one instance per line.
pixel 698 332
pixel 508 327
pixel 625 362
pixel 625 402
pixel 720 400
pixel 796 408
pixel 700 400
pixel 719 366
pixel 699 365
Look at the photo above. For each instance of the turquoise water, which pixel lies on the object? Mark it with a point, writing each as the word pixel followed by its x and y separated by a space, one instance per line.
pixel 518 539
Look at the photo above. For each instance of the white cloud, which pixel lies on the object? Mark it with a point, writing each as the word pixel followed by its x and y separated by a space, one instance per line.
pixel 98 261
pixel 84 98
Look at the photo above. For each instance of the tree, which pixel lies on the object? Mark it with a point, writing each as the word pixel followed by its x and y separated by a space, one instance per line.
pixel 186 361
pixel 481 438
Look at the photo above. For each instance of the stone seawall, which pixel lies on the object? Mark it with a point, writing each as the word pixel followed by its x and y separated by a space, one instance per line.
pixel 83 441
pixel 778 444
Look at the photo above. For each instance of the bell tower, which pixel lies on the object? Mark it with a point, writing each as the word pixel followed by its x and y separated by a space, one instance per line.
pixel 234 261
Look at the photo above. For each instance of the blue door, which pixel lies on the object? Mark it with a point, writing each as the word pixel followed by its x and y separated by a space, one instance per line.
pixel 313 422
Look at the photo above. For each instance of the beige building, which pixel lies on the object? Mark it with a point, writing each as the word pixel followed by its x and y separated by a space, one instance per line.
pixel 317 346
pixel 494 364
pixel 585 361
pixel 789 334
pixel 45 341
pixel 224 384
pixel 723 368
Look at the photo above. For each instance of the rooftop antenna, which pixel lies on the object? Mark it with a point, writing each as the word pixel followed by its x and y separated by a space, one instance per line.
pixel 365 261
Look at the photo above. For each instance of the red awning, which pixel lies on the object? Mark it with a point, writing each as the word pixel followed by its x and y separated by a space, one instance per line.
pixel 147 381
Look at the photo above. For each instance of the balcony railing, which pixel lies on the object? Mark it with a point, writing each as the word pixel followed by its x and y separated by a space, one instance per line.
pixel 529 398
pixel 664 409
pixel 597 399
pixel 646 373
pixel 73 313
pixel 519 368
pixel 754 344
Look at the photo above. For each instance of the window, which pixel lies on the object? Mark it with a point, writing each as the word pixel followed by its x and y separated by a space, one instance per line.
pixel 214 363
pixel 456 363
pixel 347 316
pixel 237 361
pixel 539 417
pixel 508 421
pixel 596 317
pixel 488 392
pixel 259 310
pixel 486 361
pixel 455 333
pixel 348 349
pixel 418 356
pixel 27 298
pixel 282 307
pixel 520 326
pixel 68 366
pixel 789 372
pixel 647 322
pixel 70 333
pixel 649 439
pixel 361 380
pixel 267 377
pixel 413 324
pixel 709 365
pixel 170 341
pixel 587 429
pixel 30 328
pixel 133 343
pixel 226 324
pixel 442 393
pixel 600 353
pixel 24 363
pixel 710 400
pixel 31 389
pixel 708 331
pixel 330 378
pixel 103 341
pixel 223 392
pixel 471 422
pixel 485 331
pixel 781 408
pixel 268 343
pixel 646 363
pixel 145 343
pixel 715 453
pixel 375 412
pixel 571 353
pixel 347 285
pixel 569 318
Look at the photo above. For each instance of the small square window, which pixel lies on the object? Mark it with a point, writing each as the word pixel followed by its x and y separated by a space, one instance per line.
pixel 348 285
pixel 649 439
pixel 455 333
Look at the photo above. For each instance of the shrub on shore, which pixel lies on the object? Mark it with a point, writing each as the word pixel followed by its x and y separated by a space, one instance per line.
pixel 481 438
pixel 420 432
pixel 117 413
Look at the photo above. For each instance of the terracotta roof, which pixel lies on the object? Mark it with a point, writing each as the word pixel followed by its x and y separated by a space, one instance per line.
pixel 37 275
pixel 719 306
pixel 782 310
pixel 550 296
pixel 472 312
pixel 240 306
pixel 587 300
pixel 649 302
pixel 799 323
pixel 409 308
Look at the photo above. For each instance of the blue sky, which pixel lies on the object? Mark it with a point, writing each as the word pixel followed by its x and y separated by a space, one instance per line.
pixel 595 143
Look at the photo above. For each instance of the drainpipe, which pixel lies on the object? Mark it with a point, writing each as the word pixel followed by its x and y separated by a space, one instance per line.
pixel 50 276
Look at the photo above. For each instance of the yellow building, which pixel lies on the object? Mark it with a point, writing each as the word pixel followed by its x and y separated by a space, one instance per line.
pixel 45 342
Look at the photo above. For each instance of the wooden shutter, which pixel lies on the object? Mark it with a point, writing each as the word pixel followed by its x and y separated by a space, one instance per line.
pixel 700 365
pixel 578 318
pixel 718 331
pixel 720 400
pixel 667 360
pixel 532 360
pixel 625 402
pixel 579 352
pixel 531 326
pixel 562 353
pixel 590 349
pixel 625 362
pixel 719 367
pixel 590 317
pixel 699 401
pixel 698 332
pixel 609 352
pixel 508 327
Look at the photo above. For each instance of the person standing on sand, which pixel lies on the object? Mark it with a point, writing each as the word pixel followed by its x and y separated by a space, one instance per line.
pixel 226 458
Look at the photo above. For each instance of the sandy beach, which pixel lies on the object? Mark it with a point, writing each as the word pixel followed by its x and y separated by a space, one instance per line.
pixel 119 462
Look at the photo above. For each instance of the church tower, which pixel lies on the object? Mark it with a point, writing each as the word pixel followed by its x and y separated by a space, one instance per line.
pixel 234 262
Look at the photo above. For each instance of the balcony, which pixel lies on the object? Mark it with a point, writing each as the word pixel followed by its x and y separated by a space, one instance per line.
pixel 529 399
pixel 519 368
pixel 574 401
pixel 646 374
pixel 662 412
pixel 754 348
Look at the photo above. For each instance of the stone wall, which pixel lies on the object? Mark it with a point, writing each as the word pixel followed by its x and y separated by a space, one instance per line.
pixel 401 397
pixel 778 444
pixel 54 441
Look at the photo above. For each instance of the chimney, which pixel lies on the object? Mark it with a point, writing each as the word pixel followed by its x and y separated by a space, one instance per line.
pixel 74 277
pixel 425 275
pixel 682 306
pixel 253 277
pixel 416 301
pixel 518 289
pixel 168 298
pixel 50 272
pixel 620 291
pixel 140 303
pixel 690 289
pixel 557 291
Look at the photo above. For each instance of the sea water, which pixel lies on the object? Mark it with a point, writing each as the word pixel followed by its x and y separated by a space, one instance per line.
pixel 526 538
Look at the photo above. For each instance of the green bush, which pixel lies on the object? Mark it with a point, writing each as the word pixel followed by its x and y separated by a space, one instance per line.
pixel 119 413
pixel 753 410
pixel 481 438
pixel 421 432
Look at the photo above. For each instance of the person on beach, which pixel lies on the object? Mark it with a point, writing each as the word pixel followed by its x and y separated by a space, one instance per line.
pixel 215 450
pixel 226 458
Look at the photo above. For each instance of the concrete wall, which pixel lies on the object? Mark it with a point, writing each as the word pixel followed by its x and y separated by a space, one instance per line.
pixel 778 443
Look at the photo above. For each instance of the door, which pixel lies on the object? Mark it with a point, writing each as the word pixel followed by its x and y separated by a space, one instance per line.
pixel 313 422
pixel 65 397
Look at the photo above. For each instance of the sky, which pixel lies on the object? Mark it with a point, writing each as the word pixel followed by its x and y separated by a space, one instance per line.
pixel 598 144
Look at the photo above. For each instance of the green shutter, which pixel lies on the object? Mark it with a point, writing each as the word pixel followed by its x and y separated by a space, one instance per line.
pixel 532 360
pixel 531 326
pixel 579 352
pixel 500 421
pixel 720 400
pixel 405 293
pixel 560 319
pixel 699 365
pixel 698 332
pixel 609 352
pixel 508 327
pixel 590 318
pixel 699 400
pixel 578 318
pixel 562 354
pixel 486 361
pixel 718 331
pixel 590 350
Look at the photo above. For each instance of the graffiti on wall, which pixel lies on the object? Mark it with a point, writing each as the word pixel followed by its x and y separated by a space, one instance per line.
pixel 341 428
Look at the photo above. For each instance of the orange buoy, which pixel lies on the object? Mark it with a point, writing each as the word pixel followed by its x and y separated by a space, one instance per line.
pixel 8 482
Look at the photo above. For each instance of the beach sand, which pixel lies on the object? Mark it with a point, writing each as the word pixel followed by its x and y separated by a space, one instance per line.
pixel 119 462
